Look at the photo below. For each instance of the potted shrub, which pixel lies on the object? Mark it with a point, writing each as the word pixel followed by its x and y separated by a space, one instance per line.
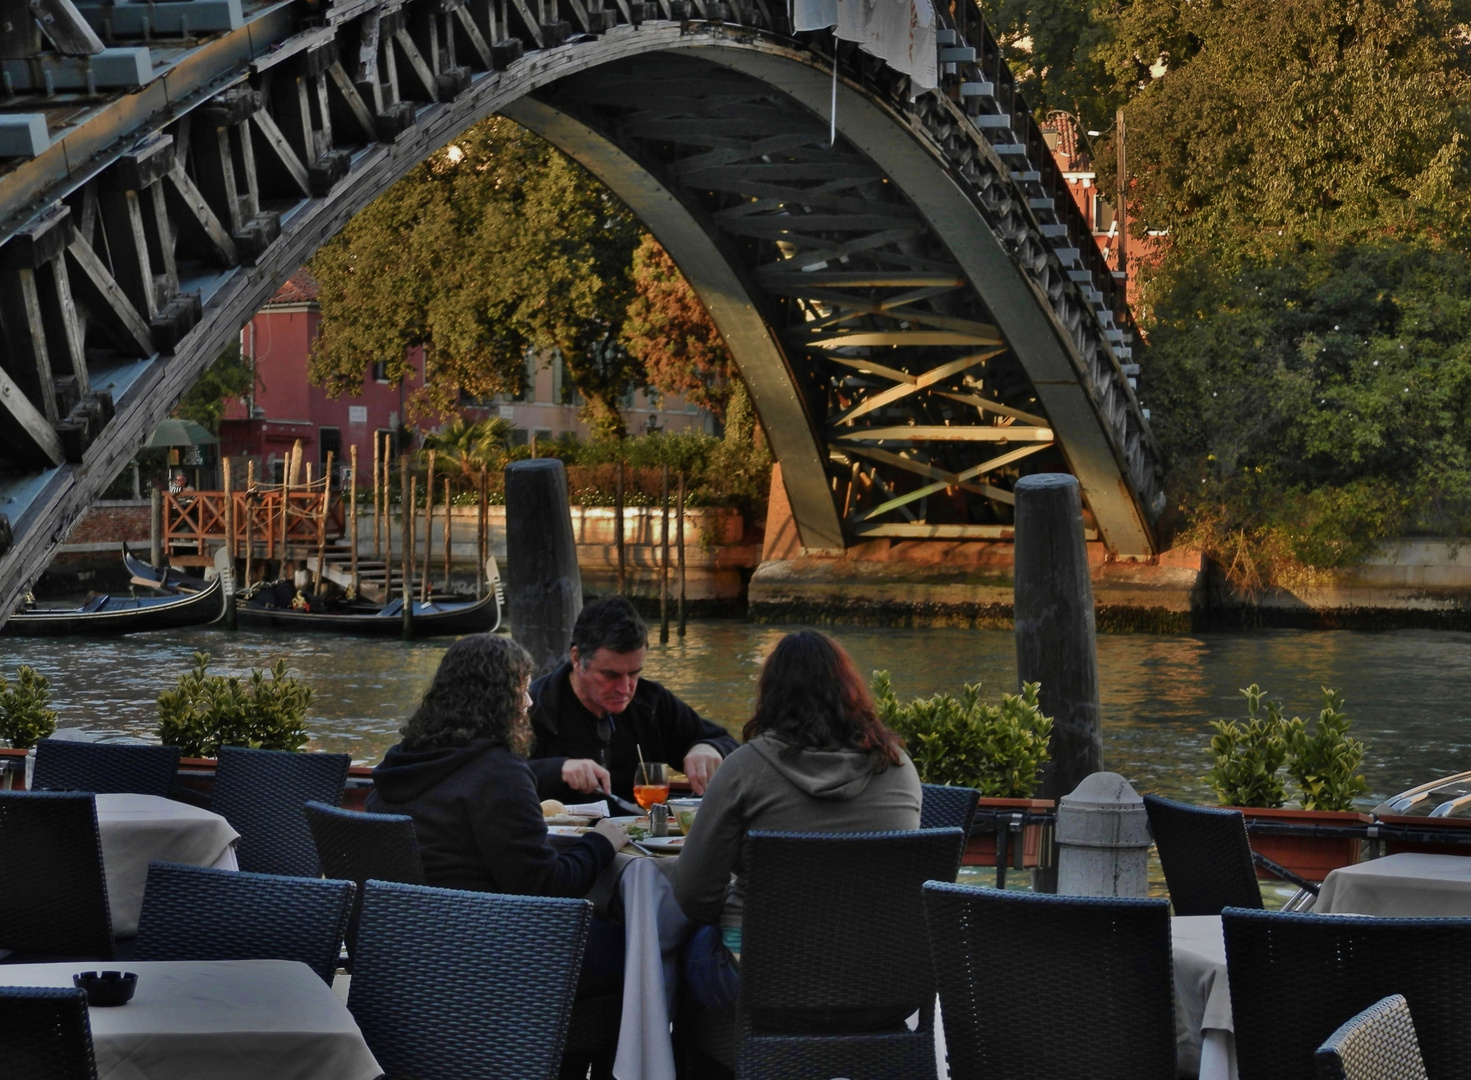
pixel 998 748
pixel 25 718
pixel 1250 759
pixel 204 712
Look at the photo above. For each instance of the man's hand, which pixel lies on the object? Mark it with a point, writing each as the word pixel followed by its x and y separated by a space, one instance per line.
pixel 700 764
pixel 586 775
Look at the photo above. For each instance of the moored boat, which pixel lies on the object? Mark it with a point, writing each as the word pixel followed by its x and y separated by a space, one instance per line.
pixel 435 618
pixel 107 613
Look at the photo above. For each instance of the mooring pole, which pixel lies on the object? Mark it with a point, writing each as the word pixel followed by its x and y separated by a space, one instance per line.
pixel 543 583
pixel 679 544
pixel 408 491
pixel 377 483
pixel 352 516
pixel 250 496
pixel 664 558
pixel 449 522
pixel 155 527
pixel 322 525
pixel 428 530
pixel 229 544
pixel 387 529
pixel 618 531
pixel 1055 636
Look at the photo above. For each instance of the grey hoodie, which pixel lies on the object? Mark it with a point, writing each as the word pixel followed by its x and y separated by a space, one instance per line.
pixel 768 785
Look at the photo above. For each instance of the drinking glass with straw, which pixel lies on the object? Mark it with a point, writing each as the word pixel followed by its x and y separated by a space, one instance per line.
pixel 650 781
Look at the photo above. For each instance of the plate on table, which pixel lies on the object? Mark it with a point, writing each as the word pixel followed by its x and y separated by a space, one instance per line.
pixel 567 830
pixel 663 845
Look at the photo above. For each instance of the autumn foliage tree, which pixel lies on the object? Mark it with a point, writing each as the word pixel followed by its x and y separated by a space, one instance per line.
pixel 669 330
pixel 495 249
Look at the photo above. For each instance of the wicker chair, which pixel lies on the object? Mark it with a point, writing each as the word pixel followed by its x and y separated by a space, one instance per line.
pixel 198 913
pixel 1378 1044
pixel 819 994
pixel 1106 967
pixel 262 792
pixel 44 1032
pixel 944 807
pixel 1205 855
pixel 53 904
pixel 1295 977
pixel 451 985
pixel 355 847
pixel 105 768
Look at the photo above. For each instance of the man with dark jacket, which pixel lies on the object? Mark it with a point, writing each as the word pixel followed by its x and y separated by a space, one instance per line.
pixel 591 716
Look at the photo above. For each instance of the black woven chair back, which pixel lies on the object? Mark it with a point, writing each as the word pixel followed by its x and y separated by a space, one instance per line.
pixel 105 768
pixel 1378 1044
pixel 262 793
pixel 944 807
pixel 53 901
pixel 1295 977
pixel 198 913
pixel 355 847
pixel 824 954
pixel 44 1032
pixel 1105 963
pixel 1205 855
pixel 451 985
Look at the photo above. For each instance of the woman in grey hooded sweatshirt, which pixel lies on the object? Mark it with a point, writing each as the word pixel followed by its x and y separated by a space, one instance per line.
pixel 816 759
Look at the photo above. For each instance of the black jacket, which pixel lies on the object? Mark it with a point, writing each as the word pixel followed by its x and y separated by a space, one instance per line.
pixel 655 720
pixel 479 822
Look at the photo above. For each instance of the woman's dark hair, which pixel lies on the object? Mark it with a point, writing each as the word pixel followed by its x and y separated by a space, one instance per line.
pixel 610 623
pixel 811 696
pixel 476 694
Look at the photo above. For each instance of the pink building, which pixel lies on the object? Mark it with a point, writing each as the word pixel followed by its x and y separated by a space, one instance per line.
pixel 286 406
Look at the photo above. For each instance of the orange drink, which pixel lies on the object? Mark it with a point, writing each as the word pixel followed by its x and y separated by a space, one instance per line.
pixel 650 783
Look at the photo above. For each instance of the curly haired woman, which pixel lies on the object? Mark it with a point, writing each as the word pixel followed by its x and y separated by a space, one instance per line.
pixel 461 774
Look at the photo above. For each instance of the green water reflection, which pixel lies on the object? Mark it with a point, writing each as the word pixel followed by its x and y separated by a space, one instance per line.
pixel 1409 692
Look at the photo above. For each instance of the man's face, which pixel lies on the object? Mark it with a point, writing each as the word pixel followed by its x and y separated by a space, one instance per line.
pixel 606 682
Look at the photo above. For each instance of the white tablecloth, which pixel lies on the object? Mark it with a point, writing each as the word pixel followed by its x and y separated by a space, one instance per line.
pixel 1399 885
pixel 1204 1039
pixel 654 929
pixel 137 829
pixel 224 1020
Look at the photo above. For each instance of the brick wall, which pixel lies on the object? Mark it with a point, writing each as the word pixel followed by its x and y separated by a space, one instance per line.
pixel 109 522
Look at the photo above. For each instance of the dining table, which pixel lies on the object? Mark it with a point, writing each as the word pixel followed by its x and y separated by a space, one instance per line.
pixel 222 1019
pixel 136 830
pixel 1399 885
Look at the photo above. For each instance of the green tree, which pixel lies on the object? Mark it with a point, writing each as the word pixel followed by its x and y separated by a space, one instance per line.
pixel 1325 121
pixel 669 331
pixel 497 247
pixel 230 376
pixel 471 446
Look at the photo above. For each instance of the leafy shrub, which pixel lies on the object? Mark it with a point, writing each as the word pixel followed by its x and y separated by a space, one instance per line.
pixel 1249 756
pixel 205 712
pixel 24 717
pixel 1325 764
pixel 999 749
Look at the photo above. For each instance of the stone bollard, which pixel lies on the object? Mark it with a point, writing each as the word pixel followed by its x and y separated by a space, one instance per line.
pixel 543 584
pixel 1103 839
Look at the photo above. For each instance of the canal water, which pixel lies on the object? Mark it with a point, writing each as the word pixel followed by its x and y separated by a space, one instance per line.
pixel 1408 692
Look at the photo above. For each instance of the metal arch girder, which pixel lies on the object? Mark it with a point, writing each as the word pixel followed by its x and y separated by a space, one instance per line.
pixel 758 354
pixel 59 496
pixel 1024 316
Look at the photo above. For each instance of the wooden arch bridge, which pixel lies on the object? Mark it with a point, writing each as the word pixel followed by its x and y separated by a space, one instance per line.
pixel 915 303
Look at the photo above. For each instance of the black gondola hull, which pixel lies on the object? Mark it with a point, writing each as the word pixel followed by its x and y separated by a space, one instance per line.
pixel 121 615
pixel 433 620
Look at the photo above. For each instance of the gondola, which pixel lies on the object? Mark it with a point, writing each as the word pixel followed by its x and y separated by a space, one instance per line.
pixel 170 579
pixel 269 607
pixel 437 618
pixel 109 614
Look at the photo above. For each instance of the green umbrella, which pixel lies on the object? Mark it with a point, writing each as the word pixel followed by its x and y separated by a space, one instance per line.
pixel 180 433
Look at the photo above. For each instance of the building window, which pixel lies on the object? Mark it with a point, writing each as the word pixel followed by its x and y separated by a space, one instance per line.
pixel 387 435
pixel 518 436
pixel 380 371
pixel 329 440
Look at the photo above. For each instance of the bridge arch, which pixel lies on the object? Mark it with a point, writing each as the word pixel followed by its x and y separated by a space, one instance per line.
pixel 912 303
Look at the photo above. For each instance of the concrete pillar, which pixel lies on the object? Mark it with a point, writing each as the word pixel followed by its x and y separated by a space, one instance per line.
pixel 543 585
pixel 1102 839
